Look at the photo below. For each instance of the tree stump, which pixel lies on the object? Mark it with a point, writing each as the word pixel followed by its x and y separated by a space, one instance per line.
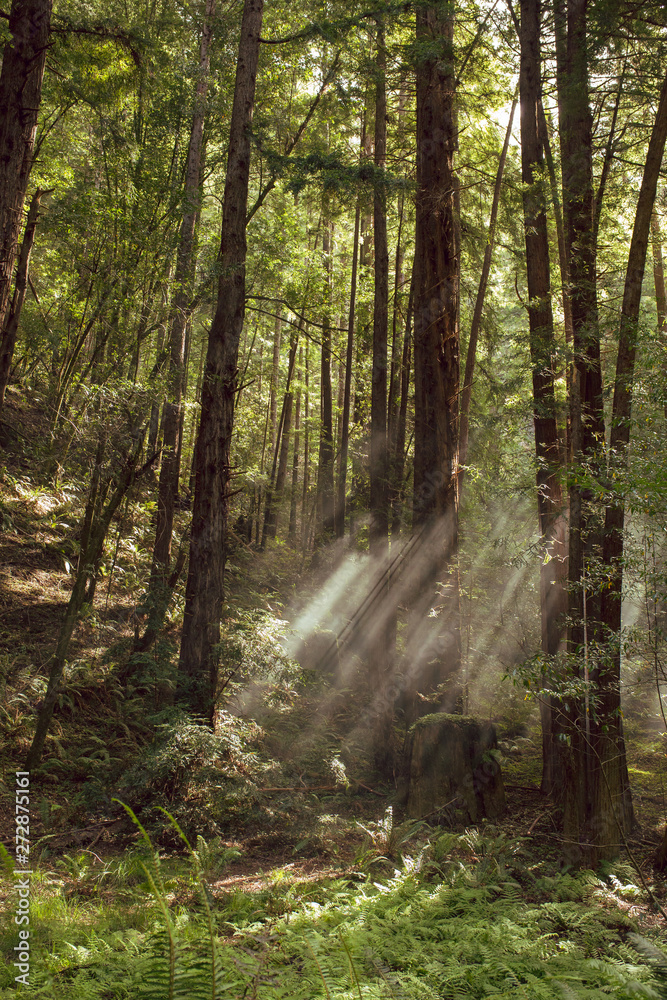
pixel 452 764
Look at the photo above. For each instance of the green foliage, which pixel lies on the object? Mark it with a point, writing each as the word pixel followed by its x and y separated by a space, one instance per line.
pixel 386 838
pixel 205 778
pixel 461 929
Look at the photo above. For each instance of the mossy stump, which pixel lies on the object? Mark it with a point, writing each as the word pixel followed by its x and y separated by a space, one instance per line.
pixel 452 764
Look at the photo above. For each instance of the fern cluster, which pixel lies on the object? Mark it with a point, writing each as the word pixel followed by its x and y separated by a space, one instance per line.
pixel 450 930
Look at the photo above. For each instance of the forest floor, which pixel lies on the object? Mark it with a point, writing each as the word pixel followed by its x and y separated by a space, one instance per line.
pixel 285 818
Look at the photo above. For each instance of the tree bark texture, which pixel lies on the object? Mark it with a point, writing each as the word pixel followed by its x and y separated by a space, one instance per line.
pixel 380 650
pixel 379 486
pixel 341 505
pixel 291 533
pixel 564 271
pixel 586 413
pixel 659 279
pixel 198 663
pixel 553 589
pixel 23 61
pixel 612 788
pixel 452 767
pixel 436 349
pixel 398 456
pixel 10 330
pixel 325 469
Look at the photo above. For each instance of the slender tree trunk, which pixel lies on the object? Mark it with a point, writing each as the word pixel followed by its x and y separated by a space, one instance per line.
pixel 159 591
pixel 476 324
pixel 658 273
pixel 172 412
pixel 347 393
pixel 280 454
pixel 613 804
pixel 564 273
pixel 398 457
pixel 553 592
pixel 23 61
pixel 325 472
pixel 659 280
pixel 273 386
pixel 8 342
pixel 94 545
pixel 435 515
pixel 379 491
pixel 306 453
pixel 395 355
pixel 381 626
pixel 291 534
pixel 198 664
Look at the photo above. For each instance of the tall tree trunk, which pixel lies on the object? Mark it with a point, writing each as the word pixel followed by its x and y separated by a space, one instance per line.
pixel 553 591
pixel 325 470
pixel 381 627
pixel 280 454
pixel 564 271
pixel 659 280
pixel 613 805
pixel 291 533
pixel 586 413
pixel 658 273
pixel 436 362
pixel 398 456
pixel 349 357
pixel 172 413
pixel 273 386
pixel 395 355
pixel 23 61
pixel 476 323
pixel 198 663
pixel 306 452
pixel 160 590
pixel 10 330
pixel 99 518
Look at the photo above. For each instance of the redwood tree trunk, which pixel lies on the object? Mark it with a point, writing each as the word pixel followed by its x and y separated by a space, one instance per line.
pixel 381 624
pixel 325 469
pixel 553 594
pixel 398 457
pixel 23 61
pixel 198 663
pixel 436 353
pixel 613 804
pixel 347 392
pixel 291 534
pixel 586 413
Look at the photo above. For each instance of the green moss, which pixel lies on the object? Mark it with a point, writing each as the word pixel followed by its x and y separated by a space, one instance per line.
pixel 438 718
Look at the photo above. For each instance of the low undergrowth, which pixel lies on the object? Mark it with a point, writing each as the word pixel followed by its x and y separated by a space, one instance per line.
pixel 463 915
